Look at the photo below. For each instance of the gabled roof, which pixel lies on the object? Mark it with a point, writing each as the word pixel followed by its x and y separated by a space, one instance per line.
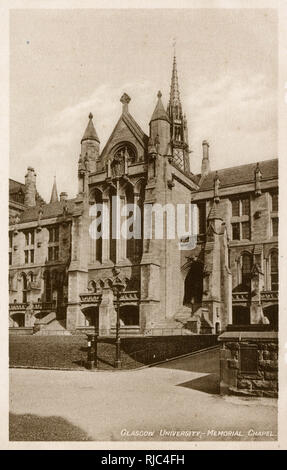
pixel 133 127
pixel 241 174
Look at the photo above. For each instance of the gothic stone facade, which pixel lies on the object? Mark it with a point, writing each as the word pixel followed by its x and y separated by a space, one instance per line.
pixel 60 277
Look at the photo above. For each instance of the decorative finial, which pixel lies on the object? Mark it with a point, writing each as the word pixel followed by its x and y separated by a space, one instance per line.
pixel 125 99
pixel 91 116
pixel 159 94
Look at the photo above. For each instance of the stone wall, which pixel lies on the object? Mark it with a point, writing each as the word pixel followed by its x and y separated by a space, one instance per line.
pixel 249 363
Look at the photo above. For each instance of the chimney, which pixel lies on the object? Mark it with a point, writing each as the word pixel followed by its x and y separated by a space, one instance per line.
pixel 205 165
pixel 30 187
pixel 63 196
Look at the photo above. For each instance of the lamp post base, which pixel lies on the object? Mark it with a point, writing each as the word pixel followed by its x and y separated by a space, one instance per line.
pixel 118 364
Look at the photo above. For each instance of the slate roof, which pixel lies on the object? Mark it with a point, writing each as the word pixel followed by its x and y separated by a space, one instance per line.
pixel 241 174
pixel 15 187
pixel 55 209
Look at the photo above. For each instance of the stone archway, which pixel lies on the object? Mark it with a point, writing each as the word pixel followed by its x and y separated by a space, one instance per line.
pixel 240 315
pixel 91 316
pixel 193 285
pixel 18 319
pixel 129 315
pixel 271 312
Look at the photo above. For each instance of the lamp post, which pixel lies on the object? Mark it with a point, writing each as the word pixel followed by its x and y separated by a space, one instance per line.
pixel 118 287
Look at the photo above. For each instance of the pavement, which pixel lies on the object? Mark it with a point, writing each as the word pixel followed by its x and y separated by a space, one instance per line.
pixel 177 400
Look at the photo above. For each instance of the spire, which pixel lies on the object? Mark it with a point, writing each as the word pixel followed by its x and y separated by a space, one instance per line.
pixel 174 105
pixel 54 194
pixel 90 132
pixel 159 111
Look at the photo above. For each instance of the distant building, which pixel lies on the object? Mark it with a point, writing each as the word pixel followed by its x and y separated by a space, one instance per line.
pixel 62 278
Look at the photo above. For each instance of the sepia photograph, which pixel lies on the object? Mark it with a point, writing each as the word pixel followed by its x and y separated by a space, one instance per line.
pixel 143 225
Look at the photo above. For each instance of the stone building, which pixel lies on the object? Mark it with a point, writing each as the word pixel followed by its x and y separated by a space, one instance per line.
pixel 61 276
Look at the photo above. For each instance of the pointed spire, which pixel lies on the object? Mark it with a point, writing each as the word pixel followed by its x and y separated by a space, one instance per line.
pixel 159 111
pixel 174 105
pixel 54 194
pixel 90 132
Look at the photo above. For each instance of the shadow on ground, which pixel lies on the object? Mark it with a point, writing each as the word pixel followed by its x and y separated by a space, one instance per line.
pixel 28 427
pixel 206 362
pixel 207 383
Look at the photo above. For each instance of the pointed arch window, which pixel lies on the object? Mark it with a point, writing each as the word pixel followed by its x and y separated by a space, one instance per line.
pixel 246 269
pixel 274 270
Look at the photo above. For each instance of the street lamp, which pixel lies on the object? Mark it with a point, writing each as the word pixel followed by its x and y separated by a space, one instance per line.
pixel 118 287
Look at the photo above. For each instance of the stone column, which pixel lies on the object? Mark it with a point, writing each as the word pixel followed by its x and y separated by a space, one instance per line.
pixel 107 314
pixel 106 231
pixel 257 283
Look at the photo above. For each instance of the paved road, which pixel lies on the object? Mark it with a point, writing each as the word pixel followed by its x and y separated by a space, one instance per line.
pixel 179 396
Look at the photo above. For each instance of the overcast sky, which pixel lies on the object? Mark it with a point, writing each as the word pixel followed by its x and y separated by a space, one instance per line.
pixel 66 63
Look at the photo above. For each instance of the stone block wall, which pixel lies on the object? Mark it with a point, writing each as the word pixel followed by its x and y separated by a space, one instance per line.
pixel 262 381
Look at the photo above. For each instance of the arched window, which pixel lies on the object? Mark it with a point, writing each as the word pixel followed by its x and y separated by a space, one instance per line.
pixel 48 287
pixel 126 149
pixel 95 234
pixel 24 288
pixel 274 270
pixel 246 270
pixel 113 225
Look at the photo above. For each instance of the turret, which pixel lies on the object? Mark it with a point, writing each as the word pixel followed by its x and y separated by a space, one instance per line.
pixel 90 145
pixel 30 187
pixel 160 127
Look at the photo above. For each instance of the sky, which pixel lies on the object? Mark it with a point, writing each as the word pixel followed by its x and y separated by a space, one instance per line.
pixel 66 63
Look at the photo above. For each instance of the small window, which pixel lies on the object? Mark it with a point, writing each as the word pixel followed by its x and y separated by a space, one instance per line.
pixel 50 253
pixel 235 207
pixel 201 219
pixel 274 198
pixel 56 252
pixel 56 234
pixel 246 269
pixel 10 258
pixel 246 230
pixel 31 256
pixel 275 227
pixel 27 238
pixel 235 231
pixel 245 205
pixel 274 271
pixel 26 256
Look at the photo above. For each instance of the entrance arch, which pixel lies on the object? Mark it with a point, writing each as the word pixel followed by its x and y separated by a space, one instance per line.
pixel 91 316
pixel 129 315
pixel 271 312
pixel 193 285
pixel 18 319
pixel 240 315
